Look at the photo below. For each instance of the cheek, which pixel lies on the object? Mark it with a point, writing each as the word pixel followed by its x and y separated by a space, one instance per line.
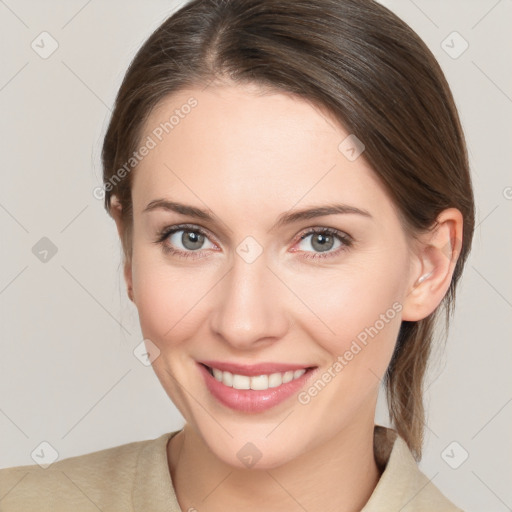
pixel 357 308
pixel 168 298
pixel 153 292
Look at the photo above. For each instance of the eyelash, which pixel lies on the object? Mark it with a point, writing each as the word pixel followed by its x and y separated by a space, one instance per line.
pixel 162 236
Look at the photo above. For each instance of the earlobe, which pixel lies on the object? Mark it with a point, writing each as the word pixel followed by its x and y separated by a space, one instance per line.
pixel 436 254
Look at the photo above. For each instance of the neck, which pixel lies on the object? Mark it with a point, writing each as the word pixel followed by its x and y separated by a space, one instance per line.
pixel 340 475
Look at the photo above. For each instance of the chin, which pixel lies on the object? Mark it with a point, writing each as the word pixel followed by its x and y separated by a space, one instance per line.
pixel 253 448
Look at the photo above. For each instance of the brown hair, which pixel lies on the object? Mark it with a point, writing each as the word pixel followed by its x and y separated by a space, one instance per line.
pixel 364 65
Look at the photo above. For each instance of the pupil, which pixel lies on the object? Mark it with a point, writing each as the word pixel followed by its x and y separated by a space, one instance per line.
pixel 323 241
pixel 192 240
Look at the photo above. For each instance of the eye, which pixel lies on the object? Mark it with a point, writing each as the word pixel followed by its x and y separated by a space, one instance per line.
pixel 184 241
pixel 188 241
pixel 325 242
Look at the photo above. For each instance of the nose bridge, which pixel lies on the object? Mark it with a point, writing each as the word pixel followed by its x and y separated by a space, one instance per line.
pixel 248 307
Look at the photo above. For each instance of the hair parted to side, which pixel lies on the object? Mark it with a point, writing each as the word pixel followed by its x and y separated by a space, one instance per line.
pixel 359 61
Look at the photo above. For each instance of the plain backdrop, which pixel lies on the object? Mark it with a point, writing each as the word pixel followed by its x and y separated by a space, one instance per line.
pixel 68 375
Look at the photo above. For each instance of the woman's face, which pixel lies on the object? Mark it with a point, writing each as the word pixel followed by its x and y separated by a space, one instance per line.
pixel 248 283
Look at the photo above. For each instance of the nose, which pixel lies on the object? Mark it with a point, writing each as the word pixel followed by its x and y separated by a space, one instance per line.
pixel 250 308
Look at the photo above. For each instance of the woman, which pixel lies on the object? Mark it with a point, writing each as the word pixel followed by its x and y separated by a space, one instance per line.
pixel 290 185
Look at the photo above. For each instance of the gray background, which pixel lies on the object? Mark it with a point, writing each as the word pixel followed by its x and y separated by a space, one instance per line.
pixel 68 375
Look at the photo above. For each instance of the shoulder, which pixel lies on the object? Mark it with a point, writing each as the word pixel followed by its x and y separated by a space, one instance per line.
pixel 101 479
pixel 402 486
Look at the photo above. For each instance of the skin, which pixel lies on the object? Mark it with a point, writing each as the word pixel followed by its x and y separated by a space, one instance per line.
pixel 248 156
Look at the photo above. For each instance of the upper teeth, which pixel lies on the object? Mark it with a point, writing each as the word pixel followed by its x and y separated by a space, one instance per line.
pixel 259 382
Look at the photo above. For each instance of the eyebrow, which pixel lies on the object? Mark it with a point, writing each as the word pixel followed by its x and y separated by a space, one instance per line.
pixel 284 219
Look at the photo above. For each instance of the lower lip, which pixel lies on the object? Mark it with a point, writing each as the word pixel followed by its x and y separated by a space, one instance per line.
pixel 250 400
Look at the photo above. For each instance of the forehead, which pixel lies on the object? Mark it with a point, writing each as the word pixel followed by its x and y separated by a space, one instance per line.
pixel 245 148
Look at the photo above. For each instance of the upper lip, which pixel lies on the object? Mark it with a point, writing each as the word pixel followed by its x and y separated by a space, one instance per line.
pixel 255 369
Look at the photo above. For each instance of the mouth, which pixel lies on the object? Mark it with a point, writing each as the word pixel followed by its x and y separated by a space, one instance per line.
pixel 251 390
pixel 259 382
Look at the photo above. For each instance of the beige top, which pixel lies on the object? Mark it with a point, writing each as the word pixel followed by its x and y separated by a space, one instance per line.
pixel 135 477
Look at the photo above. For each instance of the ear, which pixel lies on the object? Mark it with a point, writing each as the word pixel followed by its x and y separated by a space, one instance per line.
pixel 435 254
pixel 116 213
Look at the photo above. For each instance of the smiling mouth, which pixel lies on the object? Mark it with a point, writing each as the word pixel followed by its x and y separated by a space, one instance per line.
pixel 255 382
